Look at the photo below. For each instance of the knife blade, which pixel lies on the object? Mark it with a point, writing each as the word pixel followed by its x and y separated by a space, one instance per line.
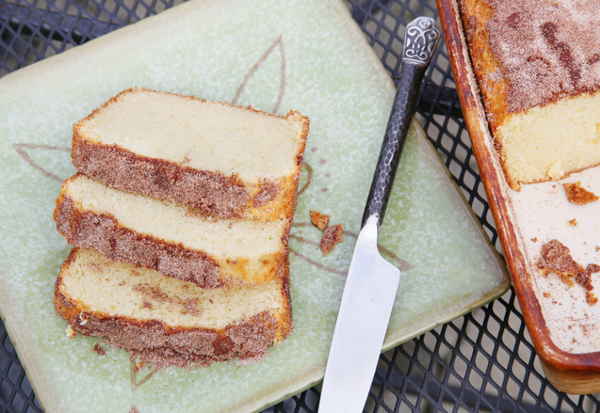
pixel 372 282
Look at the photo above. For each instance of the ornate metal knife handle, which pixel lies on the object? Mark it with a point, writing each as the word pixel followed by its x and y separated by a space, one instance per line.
pixel 420 42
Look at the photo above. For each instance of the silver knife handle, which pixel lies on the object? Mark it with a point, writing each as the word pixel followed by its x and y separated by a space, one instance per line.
pixel 420 42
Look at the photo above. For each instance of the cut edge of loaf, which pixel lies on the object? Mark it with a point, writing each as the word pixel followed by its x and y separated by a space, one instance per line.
pixel 161 345
pixel 210 191
pixel 104 233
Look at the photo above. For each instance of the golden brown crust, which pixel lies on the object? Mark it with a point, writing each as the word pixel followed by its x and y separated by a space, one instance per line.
pixel 103 233
pixel 161 345
pixel 319 220
pixel 284 318
pixel 578 195
pixel 211 192
pixel 493 86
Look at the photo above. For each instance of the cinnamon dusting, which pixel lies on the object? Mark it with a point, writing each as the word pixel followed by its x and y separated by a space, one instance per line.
pixel 547 50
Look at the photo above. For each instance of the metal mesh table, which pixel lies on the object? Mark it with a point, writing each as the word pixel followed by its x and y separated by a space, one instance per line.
pixel 483 361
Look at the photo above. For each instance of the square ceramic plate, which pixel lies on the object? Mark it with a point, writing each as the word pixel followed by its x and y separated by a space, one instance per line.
pixel 526 220
pixel 304 55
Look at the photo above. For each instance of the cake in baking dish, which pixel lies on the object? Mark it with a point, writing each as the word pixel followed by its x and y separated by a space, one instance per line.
pixel 226 160
pixel 168 321
pixel 177 241
pixel 537 64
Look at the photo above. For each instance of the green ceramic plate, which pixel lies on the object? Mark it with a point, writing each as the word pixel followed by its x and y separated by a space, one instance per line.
pixel 306 55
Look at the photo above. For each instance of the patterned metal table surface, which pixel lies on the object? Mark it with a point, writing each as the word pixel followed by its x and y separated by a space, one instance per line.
pixel 483 361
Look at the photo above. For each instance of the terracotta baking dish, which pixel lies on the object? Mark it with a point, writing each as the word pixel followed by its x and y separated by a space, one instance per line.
pixel 571 373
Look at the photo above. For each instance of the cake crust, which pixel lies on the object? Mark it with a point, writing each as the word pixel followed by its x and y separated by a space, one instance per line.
pixel 210 191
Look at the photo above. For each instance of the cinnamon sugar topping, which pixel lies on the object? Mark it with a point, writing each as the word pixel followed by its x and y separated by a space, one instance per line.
pixel 547 49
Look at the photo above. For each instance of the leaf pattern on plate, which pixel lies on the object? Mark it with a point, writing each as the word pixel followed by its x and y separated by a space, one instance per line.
pixel 135 368
pixel 21 150
pixel 254 68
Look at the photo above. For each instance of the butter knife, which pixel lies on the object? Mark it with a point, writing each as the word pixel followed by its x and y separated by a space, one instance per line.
pixel 372 282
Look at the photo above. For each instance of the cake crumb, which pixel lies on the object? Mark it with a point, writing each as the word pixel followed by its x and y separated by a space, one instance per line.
pixel 133 410
pixel 556 258
pixel 99 350
pixel 331 236
pixel 591 298
pixel 70 332
pixel 547 295
pixel 573 222
pixel 578 195
pixel 534 239
pixel 319 220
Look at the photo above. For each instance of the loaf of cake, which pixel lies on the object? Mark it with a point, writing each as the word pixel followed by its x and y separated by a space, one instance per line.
pixel 537 64
pixel 178 241
pixel 168 321
pixel 226 160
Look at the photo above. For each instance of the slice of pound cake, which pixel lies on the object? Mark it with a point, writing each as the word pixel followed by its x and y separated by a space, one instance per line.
pixel 230 161
pixel 178 241
pixel 537 64
pixel 168 321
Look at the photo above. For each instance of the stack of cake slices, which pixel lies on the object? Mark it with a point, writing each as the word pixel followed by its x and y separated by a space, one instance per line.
pixel 180 215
